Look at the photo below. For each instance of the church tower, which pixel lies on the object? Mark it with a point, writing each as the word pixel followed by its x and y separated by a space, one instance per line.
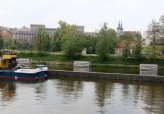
pixel 119 29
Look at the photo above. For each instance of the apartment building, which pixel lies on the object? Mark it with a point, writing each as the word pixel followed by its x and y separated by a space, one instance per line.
pixel 27 34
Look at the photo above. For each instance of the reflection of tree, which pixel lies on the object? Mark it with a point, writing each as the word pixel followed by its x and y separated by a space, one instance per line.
pixel 70 88
pixel 8 90
pixel 153 97
pixel 40 90
pixel 103 92
pixel 130 93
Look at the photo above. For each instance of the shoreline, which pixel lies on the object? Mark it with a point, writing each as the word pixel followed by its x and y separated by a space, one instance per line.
pixel 109 76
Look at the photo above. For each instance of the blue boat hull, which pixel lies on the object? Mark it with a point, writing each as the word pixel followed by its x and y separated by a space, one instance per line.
pixel 23 76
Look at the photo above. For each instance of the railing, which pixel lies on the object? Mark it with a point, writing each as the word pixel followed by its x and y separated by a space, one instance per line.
pixel 21 62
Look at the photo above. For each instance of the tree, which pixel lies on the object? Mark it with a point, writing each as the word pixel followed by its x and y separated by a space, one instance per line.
pixel 126 50
pixel 102 47
pixel 42 40
pixel 23 45
pixel 113 40
pixel 1 42
pixel 89 42
pixel 127 36
pixel 161 21
pixel 63 33
pixel 72 48
pixel 137 51
pixel 9 43
pixel 153 32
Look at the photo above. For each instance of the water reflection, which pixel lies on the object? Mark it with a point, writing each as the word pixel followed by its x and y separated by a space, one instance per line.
pixel 7 93
pixel 7 90
pixel 69 89
pixel 103 90
pixel 82 96
pixel 153 97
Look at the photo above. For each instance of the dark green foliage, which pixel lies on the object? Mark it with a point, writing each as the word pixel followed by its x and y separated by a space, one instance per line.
pixel 126 50
pixel 127 36
pixel 9 43
pixel 89 42
pixel 137 52
pixel 1 42
pixel 102 48
pixel 42 54
pixel 72 49
pixel 32 54
pixel 113 40
pixel 23 46
pixel 64 32
pixel 42 40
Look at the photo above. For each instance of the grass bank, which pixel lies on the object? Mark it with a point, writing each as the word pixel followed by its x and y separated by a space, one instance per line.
pixel 113 59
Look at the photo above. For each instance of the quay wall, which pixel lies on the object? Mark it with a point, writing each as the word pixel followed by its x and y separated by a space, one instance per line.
pixel 110 76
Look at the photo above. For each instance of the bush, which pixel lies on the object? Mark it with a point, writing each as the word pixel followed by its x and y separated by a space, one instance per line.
pixel 42 54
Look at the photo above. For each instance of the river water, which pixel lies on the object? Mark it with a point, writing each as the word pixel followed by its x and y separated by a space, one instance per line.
pixel 81 96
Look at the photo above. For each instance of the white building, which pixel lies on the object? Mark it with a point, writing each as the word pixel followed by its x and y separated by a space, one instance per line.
pixel 147 40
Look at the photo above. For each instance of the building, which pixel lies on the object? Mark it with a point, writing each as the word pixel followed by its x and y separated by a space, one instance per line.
pixel 80 29
pixel 121 43
pixel 119 29
pixel 26 35
pixel 6 34
pixel 36 27
pixel 50 31
pixel 23 36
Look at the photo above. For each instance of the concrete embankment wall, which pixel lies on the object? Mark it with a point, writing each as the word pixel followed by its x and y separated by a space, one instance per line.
pixel 110 76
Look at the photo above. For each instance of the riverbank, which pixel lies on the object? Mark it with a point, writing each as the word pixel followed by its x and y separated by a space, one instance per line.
pixel 116 62
pixel 93 58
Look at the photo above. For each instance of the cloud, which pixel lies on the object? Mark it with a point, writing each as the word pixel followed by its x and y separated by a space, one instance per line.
pixel 135 14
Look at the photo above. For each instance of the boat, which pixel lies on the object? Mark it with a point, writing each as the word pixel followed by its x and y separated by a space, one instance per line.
pixel 8 63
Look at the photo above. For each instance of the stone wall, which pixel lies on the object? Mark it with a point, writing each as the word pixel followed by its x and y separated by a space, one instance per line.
pixel 110 76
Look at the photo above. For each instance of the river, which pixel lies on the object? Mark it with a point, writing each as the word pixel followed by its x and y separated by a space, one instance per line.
pixel 81 96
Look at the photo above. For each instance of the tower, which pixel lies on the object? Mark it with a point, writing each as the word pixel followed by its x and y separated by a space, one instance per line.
pixel 119 29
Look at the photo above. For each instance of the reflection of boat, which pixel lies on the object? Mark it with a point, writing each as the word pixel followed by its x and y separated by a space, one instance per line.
pixel 8 62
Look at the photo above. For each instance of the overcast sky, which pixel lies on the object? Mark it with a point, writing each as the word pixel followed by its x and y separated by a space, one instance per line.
pixel 134 14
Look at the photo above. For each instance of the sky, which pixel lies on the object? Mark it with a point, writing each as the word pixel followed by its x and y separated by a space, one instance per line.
pixel 135 15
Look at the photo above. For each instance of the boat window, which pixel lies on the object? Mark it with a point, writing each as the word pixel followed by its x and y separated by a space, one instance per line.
pixel 6 53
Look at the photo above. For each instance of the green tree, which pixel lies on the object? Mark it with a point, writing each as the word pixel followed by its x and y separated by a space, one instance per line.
pixel 153 33
pixel 89 42
pixel 102 47
pixel 1 42
pixel 162 28
pixel 127 36
pixel 137 51
pixel 113 40
pixel 72 48
pixel 64 32
pixel 9 43
pixel 126 50
pixel 67 39
pixel 42 40
pixel 23 45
